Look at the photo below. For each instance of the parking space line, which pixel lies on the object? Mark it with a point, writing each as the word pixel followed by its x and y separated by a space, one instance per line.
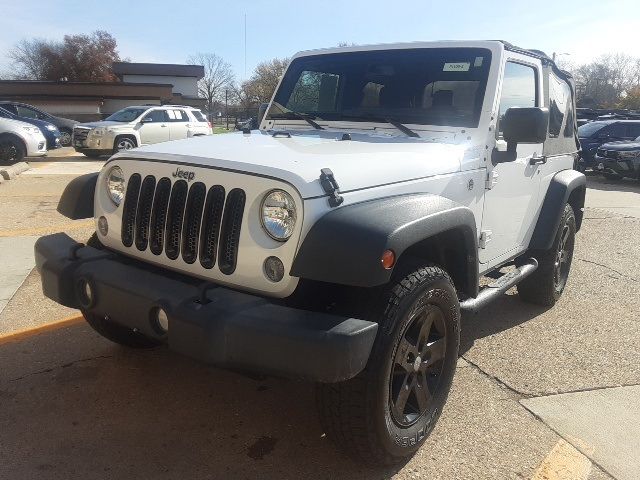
pixel 62 227
pixel 47 327
pixel 564 462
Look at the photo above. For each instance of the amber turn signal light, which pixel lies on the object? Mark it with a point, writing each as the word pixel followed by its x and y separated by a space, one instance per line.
pixel 388 259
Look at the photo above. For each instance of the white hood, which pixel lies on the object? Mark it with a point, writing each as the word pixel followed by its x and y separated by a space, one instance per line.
pixel 365 161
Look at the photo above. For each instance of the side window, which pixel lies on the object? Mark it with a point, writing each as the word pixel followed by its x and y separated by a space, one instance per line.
pixel 634 130
pixel 10 108
pixel 617 130
pixel 560 107
pixel 198 115
pixel 156 116
pixel 518 88
pixel 177 116
pixel 26 112
pixel 314 92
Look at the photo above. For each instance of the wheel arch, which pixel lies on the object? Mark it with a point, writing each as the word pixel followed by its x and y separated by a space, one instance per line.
pixel 345 245
pixel 17 137
pixel 567 186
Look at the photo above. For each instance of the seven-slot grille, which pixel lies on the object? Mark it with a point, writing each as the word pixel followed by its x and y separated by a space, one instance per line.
pixel 80 134
pixel 183 220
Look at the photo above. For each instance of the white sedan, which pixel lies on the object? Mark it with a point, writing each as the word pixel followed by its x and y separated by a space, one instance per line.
pixel 19 139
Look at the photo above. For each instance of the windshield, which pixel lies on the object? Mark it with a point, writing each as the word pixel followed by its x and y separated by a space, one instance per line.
pixel 434 86
pixel 126 114
pixel 588 129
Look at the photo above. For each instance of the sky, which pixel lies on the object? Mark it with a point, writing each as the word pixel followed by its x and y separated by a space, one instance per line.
pixel 168 32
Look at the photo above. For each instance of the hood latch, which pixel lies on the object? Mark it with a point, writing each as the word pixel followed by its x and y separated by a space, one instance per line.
pixel 330 186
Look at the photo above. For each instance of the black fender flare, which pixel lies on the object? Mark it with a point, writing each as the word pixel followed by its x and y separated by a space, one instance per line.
pixel 76 201
pixel 345 245
pixel 567 186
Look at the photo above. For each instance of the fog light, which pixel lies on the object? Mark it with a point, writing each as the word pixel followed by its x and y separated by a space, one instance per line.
pixel 162 320
pixel 274 269
pixel 85 293
pixel 103 226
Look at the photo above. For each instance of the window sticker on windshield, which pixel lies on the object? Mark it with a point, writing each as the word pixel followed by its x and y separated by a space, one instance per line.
pixel 456 67
pixel 478 62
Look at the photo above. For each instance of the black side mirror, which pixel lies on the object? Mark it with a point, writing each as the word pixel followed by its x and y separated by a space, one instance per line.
pixel 261 112
pixel 522 125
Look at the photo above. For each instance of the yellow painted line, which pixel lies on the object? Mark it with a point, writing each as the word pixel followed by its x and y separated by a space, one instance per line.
pixel 47 327
pixel 564 462
pixel 61 227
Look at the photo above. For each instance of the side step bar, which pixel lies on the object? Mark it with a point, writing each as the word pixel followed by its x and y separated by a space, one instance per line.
pixel 497 288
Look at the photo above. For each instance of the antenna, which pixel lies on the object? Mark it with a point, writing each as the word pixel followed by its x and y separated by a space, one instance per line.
pixel 245 46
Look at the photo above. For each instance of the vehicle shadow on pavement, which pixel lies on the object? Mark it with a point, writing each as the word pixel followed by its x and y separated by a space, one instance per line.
pixel 504 313
pixel 606 185
pixel 72 405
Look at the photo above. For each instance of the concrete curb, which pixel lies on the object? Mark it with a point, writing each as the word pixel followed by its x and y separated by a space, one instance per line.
pixel 12 171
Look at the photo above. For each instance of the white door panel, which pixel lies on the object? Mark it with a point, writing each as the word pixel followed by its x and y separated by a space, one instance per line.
pixel 512 203
pixel 154 133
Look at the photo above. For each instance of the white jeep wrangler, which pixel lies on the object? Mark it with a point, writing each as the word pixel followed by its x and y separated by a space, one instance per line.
pixel 340 241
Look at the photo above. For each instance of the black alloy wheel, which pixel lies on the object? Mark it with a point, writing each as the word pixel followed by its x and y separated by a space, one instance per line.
pixel 417 366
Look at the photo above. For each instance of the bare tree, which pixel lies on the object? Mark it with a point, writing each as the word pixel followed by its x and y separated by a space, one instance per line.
pixel 82 58
pixel 260 87
pixel 218 76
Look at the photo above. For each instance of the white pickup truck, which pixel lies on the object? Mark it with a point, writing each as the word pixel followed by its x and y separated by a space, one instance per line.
pixel 340 241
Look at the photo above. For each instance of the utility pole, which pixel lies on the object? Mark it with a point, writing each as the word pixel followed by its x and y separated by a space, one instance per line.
pixel 226 106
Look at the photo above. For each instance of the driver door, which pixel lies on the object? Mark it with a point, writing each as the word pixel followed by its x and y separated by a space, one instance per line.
pixel 154 127
pixel 511 202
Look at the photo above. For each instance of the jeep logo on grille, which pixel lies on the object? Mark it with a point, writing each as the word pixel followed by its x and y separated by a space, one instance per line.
pixel 186 174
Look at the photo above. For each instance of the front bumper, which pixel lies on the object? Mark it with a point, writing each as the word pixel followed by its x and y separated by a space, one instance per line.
pixel 623 167
pixel 210 323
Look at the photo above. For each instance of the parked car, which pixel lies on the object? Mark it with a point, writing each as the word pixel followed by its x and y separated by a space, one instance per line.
pixel 594 134
pixel 49 130
pixel 139 125
pixel 18 139
pixel 25 112
pixel 340 241
pixel 619 159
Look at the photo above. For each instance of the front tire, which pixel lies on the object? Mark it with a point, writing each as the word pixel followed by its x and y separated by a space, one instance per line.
pixel 118 333
pixel 11 150
pixel 124 143
pixel 384 414
pixel 545 285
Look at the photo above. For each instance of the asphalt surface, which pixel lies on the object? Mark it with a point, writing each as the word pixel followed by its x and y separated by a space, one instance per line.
pixel 529 386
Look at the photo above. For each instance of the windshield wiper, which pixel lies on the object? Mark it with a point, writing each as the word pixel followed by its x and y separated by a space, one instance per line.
pixel 302 116
pixel 374 118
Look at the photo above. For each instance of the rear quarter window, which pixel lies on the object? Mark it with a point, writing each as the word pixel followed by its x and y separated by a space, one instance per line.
pixel 199 115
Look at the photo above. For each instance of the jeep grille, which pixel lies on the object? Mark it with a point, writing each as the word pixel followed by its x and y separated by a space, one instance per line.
pixel 183 220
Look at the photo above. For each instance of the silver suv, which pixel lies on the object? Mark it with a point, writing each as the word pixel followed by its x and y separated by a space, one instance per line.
pixel 139 125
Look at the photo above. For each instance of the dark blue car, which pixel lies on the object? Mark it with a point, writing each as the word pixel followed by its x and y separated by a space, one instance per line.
pixel 50 131
pixel 594 134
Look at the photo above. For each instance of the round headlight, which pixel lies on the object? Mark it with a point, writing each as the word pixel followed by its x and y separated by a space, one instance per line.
pixel 279 214
pixel 115 184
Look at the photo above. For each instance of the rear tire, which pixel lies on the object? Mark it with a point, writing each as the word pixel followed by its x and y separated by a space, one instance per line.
pixel 545 285
pixel 386 412
pixel 65 137
pixel 118 333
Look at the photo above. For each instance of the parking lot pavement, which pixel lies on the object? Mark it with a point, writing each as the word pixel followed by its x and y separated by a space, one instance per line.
pixel 75 406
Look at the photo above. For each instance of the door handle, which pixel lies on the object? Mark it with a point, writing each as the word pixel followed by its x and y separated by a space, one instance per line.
pixel 538 160
pixel 163 125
